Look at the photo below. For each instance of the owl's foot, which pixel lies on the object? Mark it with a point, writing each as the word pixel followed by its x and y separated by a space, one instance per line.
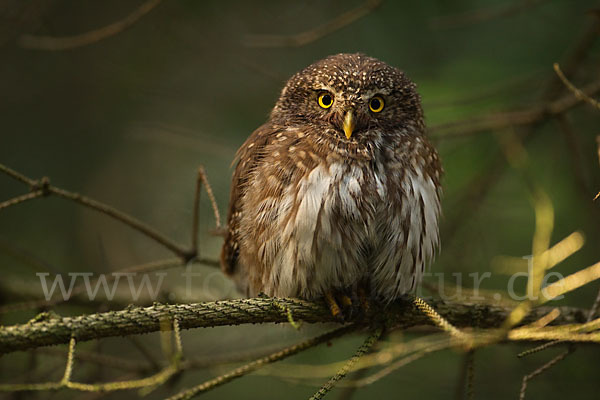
pixel 345 301
pixel 340 305
pixel 334 307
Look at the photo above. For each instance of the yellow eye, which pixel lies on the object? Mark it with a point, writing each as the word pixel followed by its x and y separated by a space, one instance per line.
pixel 376 104
pixel 325 100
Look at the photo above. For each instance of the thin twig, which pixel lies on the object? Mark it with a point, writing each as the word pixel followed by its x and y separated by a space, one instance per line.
pixel 250 367
pixel 540 370
pixel 365 347
pixel 481 15
pixel 499 121
pixel 574 59
pixel 211 197
pixel 21 199
pixel 70 360
pixel 439 320
pixel 470 361
pixel 518 84
pixel 201 179
pixel 348 392
pixel 304 38
pixel 17 175
pixel 124 218
pixel 577 92
pixel 590 316
pixel 48 189
pixel 70 42
pixel 464 388
pixel 369 380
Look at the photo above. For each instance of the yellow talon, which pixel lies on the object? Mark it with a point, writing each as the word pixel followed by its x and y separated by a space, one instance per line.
pixel 333 305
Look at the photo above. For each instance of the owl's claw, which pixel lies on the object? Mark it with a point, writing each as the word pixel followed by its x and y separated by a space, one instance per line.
pixel 345 300
pixel 340 305
pixel 334 307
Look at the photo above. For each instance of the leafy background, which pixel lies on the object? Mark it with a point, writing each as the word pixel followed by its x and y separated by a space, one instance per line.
pixel 128 120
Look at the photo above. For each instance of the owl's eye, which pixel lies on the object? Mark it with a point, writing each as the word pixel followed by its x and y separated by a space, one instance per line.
pixel 376 104
pixel 325 100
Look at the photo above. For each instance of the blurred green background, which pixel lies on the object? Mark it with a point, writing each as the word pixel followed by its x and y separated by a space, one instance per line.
pixel 128 119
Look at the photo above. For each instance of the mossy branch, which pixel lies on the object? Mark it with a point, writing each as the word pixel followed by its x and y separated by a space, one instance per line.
pixel 136 320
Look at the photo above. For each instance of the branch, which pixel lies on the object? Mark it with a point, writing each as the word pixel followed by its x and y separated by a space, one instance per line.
pixel 481 15
pixel 137 320
pixel 42 188
pixel 307 37
pixel 70 42
pixel 578 93
pixel 502 120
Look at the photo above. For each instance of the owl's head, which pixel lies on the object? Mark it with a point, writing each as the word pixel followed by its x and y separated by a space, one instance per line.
pixel 351 96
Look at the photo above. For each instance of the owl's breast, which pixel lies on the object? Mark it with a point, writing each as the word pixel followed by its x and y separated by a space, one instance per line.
pixel 323 223
pixel 322 229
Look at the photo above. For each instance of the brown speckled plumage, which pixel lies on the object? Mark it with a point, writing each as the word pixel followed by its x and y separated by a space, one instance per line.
pixel 312 211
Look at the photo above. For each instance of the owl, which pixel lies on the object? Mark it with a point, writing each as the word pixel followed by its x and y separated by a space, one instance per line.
pixel 338 193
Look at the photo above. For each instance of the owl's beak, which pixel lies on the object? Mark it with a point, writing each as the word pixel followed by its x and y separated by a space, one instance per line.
pixel 348 123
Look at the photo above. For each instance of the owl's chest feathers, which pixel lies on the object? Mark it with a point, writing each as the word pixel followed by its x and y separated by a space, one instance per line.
pixel 333 202
pixel 327 222
pixel 324 228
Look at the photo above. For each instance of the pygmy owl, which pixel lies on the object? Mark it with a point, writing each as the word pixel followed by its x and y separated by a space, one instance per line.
pixel 338 191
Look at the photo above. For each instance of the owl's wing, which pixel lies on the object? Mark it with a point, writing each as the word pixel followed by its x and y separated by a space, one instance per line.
pixel 248 157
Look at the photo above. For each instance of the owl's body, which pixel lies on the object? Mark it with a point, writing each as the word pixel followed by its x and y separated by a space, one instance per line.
pixel 329 194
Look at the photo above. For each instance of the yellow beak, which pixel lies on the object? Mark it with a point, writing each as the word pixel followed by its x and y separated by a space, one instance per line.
pixel 348 124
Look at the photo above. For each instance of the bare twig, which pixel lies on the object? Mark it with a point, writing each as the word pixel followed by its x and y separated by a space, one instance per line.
pixel 518 84
pixel 590 316
pixel 248 368
pixel 464 388
pixel 200 180
pixel 304 38
pixel 440 321
pixel 580 95
pixel 124 218
pixel 17 176
pixel 348 392
pixel 574 58
pixel 540 370
pixel 482 15
pixel 70 42
pixel 525 117
pixel 21 199
pixel 47 189
pixel 70 359
pixel 470 361
pixel 365 347
pixel 369 380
